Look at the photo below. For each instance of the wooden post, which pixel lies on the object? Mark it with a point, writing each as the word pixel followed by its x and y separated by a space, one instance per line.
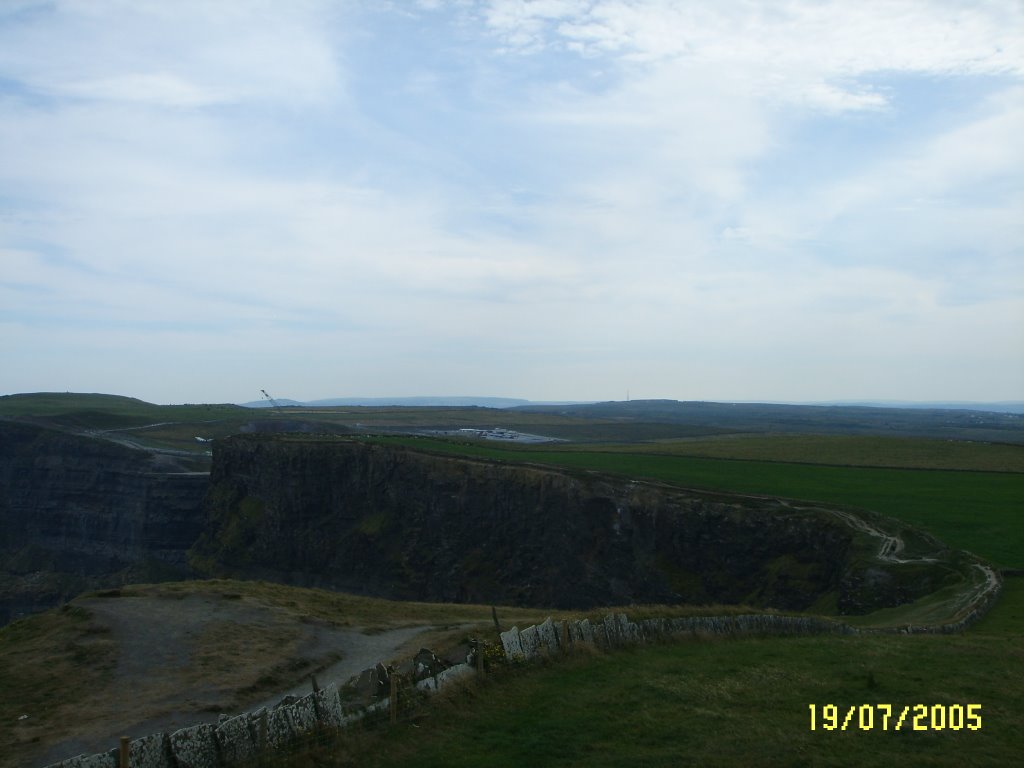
pixel 393 677
pixel 123 759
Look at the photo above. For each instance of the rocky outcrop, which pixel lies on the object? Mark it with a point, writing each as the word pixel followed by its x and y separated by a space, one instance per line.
pixel 79 513
pixel 399 523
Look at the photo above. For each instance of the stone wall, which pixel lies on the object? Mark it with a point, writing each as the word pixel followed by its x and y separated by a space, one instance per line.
pixel 616 630
pixel 234 741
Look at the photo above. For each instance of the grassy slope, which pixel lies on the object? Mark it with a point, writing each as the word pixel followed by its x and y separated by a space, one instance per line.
pixel 722 703
pixel 742 702
pixel 45 404
pixel 48 664
pixel 697 702
pixel 848 450
pixel 978 511
pixel 54 666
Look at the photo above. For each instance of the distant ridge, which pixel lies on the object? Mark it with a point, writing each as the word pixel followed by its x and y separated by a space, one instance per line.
pixel 1007 406
pixel 779 418
pixel 1004 406
pixel 412 402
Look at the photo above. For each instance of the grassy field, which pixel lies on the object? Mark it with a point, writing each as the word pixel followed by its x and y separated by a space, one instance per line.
pixel 982 512
pixel 715 702
pixel 59 667
pixel 719 702
pixel 108 411
pixel 845 450
pixel 49 663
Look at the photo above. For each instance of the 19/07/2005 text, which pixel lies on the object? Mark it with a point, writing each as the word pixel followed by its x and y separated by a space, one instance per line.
pixel 886 717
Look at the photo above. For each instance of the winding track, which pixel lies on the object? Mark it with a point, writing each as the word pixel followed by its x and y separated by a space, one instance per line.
pixel 971 598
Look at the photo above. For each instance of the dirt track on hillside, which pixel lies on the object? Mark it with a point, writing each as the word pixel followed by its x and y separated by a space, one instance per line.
pixel 184 660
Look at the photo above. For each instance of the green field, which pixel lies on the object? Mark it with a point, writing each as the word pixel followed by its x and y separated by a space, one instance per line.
pixel 724 703
pixel 982 512
pixel 847 450
pixel 102 412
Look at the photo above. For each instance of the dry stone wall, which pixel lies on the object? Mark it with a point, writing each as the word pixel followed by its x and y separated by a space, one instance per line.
pixel 616 630
pixel 235 740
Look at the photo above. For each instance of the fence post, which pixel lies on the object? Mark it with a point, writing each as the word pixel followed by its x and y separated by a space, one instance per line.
pixel 393 678
pixel 480 656
pixel 123 759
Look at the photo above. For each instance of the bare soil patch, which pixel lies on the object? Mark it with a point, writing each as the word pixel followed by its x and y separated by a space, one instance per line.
pixel 182 659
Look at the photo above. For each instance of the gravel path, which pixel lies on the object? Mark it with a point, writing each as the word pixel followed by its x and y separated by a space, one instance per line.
pixel 158 685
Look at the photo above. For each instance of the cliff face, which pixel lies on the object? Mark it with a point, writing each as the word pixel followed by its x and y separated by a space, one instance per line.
pixel 403 524
pixel 79 513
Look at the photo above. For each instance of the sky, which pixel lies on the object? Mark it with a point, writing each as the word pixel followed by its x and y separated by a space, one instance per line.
pixel 544 199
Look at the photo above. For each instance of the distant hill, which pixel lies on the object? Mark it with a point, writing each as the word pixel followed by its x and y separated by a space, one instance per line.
pixel 1006 406
pixel 408 402
pixel 962 424
pixel 40 403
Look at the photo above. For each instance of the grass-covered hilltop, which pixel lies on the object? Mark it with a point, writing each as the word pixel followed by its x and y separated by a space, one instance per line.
pixel 228 552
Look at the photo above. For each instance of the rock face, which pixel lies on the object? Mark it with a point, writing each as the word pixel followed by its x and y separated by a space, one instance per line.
pixel 394 522
pixel 79 513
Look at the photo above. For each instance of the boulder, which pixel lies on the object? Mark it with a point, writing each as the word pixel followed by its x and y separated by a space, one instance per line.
pixel 586 632
pixel 304 715
pixel 195 747
pixel 548 636
pixel 427 664
pixel 153 751
pixel 237 742
pixel 512 644
pixel 530 640
pixel 280 730
pixel 329 707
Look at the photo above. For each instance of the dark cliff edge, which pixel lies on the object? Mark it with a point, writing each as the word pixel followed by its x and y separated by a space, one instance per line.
pixel 394 522
pixel 79 513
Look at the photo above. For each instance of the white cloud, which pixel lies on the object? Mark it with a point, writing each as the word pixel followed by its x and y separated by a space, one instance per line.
pixel 175 54
pixel 239 189
pixel 795 52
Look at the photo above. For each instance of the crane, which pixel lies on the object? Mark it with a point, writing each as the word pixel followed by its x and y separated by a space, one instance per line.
pixel 272 401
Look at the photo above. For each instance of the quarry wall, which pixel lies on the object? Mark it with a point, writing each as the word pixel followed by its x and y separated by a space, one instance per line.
pixel 398 523
pixel 78 513
pixel 388 521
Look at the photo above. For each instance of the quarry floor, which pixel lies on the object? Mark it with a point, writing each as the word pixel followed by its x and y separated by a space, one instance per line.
pixel 183 661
